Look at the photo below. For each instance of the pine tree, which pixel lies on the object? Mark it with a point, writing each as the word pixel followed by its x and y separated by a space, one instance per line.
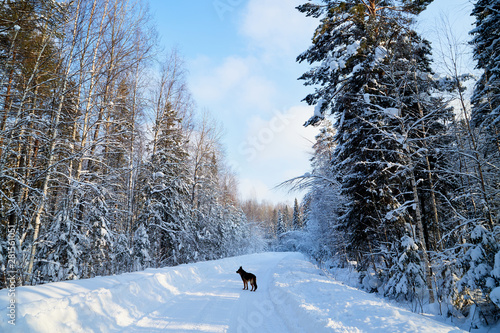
pixel 287 220
pixel 98 223
pixel 372 76
pixel 165 196
pixel 478 264
pixel 486 43
pixel 406 275
pixel 495 274
pixel 141 249
pixel 297 216
pixel 122 258
pixel 280 224
pixel 485 115
pixel 62 250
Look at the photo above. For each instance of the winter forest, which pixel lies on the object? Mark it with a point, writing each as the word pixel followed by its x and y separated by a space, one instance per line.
pixel 405 175
pixel 108 166
pixel 105 165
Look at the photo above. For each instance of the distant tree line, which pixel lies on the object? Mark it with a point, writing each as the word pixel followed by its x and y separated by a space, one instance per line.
pixel 405 180
pixel 105 166
pixel 275 220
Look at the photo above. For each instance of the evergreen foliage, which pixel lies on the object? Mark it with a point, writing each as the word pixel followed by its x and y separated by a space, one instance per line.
pixel 88 184
pixel 406 275
pixel 400 186
pixel 486 45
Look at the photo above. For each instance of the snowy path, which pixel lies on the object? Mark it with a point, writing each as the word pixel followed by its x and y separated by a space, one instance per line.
pixel 292 296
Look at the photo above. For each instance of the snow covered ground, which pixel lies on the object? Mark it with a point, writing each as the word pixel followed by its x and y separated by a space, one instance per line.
pixel 293 296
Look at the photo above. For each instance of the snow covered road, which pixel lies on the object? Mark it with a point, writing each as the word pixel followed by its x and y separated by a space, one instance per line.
pixel 292 296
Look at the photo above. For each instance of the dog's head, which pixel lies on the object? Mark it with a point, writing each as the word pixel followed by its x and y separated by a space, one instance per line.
pixel 240 270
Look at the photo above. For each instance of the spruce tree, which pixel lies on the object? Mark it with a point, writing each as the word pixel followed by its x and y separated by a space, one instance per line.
pixel 352 42
pixel 486 44
pixel 297 216
pixel 374 78
pixel 485 115
pixel 141 249
pixel 477 260
pixel 165 195
pixel 406 275
pixel 280 225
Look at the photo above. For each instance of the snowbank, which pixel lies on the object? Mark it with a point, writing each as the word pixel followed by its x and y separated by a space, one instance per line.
pixel 104 304
pixel 325 305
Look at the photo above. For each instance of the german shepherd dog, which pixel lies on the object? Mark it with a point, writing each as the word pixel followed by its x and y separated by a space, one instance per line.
pixel 246 277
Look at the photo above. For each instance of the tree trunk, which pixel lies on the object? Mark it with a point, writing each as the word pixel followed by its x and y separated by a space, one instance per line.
pixel 420 232
pixel 51 150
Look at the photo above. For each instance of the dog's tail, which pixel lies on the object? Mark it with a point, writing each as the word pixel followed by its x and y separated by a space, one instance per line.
pixel 255 281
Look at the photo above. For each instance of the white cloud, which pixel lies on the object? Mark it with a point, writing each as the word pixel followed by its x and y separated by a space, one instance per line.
pixel 258 91
pixel 274 150
pixel 265 147
pixel 282 136
pixel 211 83
pixel 277 27
pixel 236 81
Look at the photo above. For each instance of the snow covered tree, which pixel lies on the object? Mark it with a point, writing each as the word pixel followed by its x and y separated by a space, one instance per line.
pixel 165 210
pixel 61 250
pixel 322 237
pixel 406 275
pixel 32 87
pixel 121 260
pixel 280 224
pixel 297 216
pixel 287 218
pixel 163 199
pixel 485 116
pixel 486 98
pixel 495 293
pixel 141 249
pixel 478 262
pixel 98 223
pixel 206 207
pixel 374 78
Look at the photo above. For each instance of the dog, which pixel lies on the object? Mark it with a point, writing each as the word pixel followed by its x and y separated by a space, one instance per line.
pixel 247 277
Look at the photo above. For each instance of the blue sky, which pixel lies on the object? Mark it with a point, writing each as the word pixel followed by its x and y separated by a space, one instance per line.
pixel 240 55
